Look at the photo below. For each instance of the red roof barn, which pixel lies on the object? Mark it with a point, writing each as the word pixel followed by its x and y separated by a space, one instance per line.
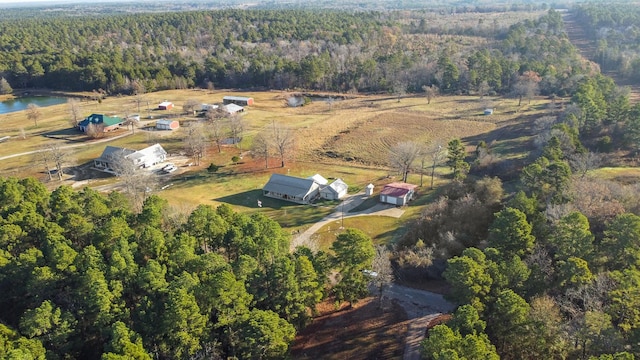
pixel 165 105
pixel 397 193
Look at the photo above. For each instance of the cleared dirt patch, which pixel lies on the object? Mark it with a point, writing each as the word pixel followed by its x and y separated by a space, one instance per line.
pixel 361 332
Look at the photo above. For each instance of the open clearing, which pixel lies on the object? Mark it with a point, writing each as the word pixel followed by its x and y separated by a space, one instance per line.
pixel 348 139
pixel 362 332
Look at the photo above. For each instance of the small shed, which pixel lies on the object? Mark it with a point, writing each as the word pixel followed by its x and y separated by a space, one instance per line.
pixel 238 100
pixel 334 191
pixel 165 124
pixel 207 107
pixel 134 117
pixel 368 190
pixel 233 108
pixel 397 193
pixel 165 105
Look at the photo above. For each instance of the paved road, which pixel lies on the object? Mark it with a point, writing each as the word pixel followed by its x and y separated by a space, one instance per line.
pixel 421 307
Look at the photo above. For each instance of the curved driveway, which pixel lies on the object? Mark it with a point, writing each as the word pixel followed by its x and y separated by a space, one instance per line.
pixel 420 306
pixel 342 211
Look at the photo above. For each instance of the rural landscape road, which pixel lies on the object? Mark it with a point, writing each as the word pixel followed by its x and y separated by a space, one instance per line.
pixel 67 146
pixel 342 211
pixel 421 307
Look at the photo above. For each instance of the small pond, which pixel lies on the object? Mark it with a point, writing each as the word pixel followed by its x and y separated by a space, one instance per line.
pixel 21 103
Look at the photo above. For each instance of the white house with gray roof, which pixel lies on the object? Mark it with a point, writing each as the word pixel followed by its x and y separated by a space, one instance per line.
pixel 290 188
pixel 146 157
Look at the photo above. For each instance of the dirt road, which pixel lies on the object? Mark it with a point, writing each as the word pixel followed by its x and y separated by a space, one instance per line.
pixel 421 308
pixel 67 146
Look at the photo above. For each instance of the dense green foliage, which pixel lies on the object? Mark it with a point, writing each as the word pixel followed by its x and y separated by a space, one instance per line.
pixel 615 31
pixel 83 277
pixel 557 273
pixel 365 51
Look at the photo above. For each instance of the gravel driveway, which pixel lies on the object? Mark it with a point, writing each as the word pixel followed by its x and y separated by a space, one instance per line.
pixel 421 307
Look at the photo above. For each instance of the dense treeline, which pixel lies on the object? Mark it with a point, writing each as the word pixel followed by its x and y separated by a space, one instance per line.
pixel 553 274
pixel 81 276
pixel 551 271
pixel 366 51
pixel 615 32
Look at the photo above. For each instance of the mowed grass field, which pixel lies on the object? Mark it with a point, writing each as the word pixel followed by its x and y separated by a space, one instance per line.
pixel 348 139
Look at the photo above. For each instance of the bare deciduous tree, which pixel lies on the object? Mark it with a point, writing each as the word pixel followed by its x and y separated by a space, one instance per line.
pixel 283 141
pixel 438 154
pixel 195 141
pixel 526 86
pixel 582 163
pixel 402 157
pixel 430 92
pixel 138 90
pixel 190 105
pixel 33 113
pixel 95 131
pixel 74 111
pixel 44 157
pixel 137 182
pixel 130 120
pixel 215 119
pixel 400 88
pixel 236 128
pixel 382 270
pixel 260 148
pixel 58 157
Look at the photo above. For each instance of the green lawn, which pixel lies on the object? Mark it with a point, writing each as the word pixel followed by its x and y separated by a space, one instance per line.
pixel 624 175
pixel 381 229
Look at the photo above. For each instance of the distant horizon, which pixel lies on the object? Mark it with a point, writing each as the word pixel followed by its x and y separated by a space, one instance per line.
pixel 52 1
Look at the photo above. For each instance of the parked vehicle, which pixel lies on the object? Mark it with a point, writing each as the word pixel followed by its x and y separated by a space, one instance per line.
pixel 169 168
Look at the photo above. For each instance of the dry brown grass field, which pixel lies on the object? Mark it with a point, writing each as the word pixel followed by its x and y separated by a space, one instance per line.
pixel 349 138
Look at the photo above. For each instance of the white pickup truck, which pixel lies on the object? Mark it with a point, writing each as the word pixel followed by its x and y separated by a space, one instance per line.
pixel 169 168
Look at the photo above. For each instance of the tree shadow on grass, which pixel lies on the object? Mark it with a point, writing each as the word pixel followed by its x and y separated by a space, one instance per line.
pixel 87 172
pixel 513 145
pixel 68 134
pixel 287 214
pixel 250 199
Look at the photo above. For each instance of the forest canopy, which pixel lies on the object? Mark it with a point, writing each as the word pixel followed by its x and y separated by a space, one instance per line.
pixel 81 276
pixel 322 49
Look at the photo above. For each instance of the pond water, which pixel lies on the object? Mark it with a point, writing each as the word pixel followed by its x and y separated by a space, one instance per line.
pixel 21 103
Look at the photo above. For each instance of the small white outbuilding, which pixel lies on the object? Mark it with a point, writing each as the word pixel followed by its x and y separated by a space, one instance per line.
pixel 334 191
pixel 368 190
